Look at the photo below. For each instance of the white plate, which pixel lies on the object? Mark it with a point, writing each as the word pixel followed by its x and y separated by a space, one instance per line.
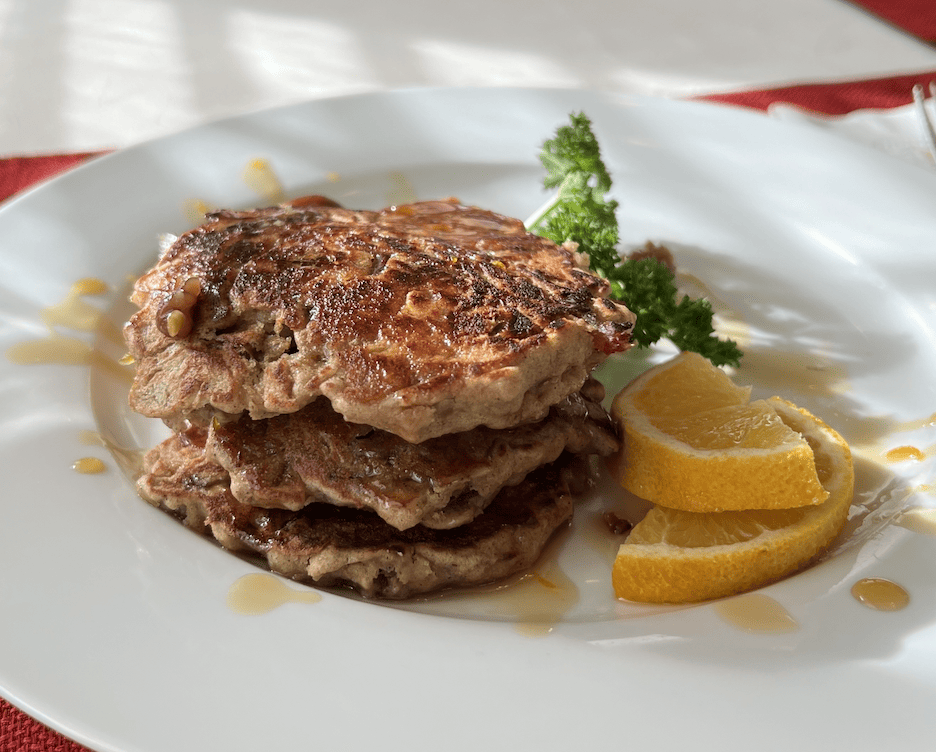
pixel 115 628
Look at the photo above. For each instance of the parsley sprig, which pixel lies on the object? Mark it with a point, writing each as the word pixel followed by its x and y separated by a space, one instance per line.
pixel 581 211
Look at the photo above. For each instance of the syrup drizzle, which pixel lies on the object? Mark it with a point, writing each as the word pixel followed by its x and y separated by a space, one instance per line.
pixel 89 466
pixel 76 314
pixel 903 453
pixel 537 602
pixel 260 593
pixel 53 350
pixel 261 178
pixel 195 210
pixel 880 594
pixel 130 461
pixel 534 602
pixel 803 372
pixel 756 613
pixel 91 438
pixel 915 425
pixel 73 313
pixel 258 175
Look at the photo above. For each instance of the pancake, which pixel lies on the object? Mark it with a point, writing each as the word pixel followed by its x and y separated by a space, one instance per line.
pixel 420 320
pixel 334 546
pixel 313 455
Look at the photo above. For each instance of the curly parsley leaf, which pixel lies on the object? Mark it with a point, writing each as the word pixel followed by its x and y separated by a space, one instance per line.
pixel 648 288
pixel 581 211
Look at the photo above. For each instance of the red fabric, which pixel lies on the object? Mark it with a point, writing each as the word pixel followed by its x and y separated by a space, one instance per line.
pixel 17 173
pixel 833 98
pixel 19 732
pixel 917 17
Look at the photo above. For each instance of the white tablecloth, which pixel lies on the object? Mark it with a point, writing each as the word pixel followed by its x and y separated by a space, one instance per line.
pixel 81 75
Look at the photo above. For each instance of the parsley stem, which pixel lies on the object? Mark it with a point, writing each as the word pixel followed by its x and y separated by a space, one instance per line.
pixel 537 216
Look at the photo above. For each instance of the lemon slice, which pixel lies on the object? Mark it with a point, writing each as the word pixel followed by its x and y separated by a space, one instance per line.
pixel 694 441
pixel 674 556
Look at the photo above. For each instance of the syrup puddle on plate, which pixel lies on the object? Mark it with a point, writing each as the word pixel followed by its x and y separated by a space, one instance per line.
pixel 76 314
pixel 262 179
pixel 880 594
pixel 904 453
pixel 885 595
pixel 89 466
pixel 72 313
pixel 756 613
pixel 536 602
pixel 260 593
pixel 130 461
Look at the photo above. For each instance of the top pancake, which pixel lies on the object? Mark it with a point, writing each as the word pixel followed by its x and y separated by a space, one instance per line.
pixel 421 319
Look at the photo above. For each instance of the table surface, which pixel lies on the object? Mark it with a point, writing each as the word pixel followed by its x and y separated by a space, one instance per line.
pixel 91 75
pixel 100 74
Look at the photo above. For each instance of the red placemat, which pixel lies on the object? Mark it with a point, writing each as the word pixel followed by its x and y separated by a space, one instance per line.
pixel 835 98
pixel 18 173
pixel 917 17
pixel 20 733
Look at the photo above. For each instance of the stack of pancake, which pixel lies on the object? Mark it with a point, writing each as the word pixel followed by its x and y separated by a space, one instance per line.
pixel 398 401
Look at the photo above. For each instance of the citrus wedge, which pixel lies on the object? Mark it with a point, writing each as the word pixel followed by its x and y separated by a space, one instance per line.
pixel 673 556
pixel 693 440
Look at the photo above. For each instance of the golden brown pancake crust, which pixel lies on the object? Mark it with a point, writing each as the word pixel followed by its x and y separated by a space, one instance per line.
pixel 421 320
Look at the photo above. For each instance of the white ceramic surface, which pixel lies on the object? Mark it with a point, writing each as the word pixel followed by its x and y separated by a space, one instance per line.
pixel 817 253
pixel 898 131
